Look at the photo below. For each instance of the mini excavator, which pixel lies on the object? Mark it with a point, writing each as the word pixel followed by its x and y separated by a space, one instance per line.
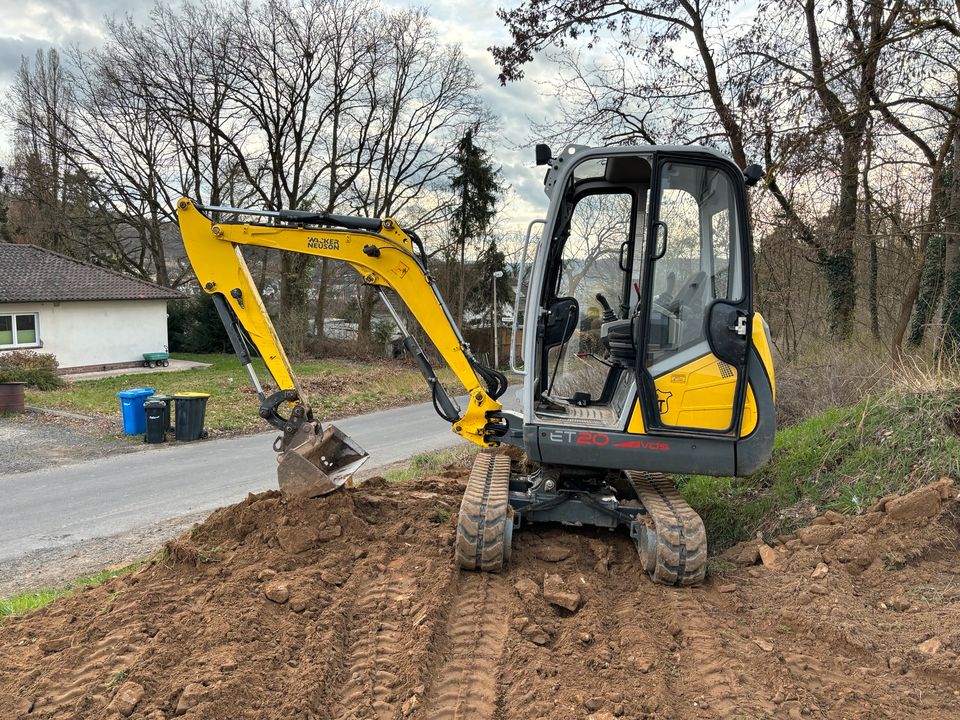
pixel 640 351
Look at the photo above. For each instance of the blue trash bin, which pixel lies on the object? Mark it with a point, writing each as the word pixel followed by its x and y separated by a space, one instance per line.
pixel 131 408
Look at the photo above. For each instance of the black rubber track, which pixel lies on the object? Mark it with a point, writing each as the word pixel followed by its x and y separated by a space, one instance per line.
pixel 679 554
pixel 484 514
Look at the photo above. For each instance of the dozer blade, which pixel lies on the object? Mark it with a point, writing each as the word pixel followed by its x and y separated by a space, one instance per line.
pixel 320 464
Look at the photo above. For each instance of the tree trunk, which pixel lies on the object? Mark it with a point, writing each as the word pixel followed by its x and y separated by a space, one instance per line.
pixel 903 318
pixel 951 305
pixel 950 345
pixel 839 263
pixel 931 286
pixel 874 261
pixel 874 300
pixel 368 298
pixel 294 280
pixel 320 311
pixel 838 267
pixel 461 296
pixel 942 208
pixel 262 278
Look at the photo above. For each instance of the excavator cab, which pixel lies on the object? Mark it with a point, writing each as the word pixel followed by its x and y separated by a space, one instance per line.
pixel 642 352
pixel 641 335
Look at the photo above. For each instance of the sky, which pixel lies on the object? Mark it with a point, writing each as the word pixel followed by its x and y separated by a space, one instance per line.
pixel 39 24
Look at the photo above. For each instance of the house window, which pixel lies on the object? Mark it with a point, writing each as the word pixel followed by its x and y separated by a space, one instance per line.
pixel 19 331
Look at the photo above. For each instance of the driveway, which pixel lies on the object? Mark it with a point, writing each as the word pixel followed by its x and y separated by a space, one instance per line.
pixel 58 523
pixel 173 366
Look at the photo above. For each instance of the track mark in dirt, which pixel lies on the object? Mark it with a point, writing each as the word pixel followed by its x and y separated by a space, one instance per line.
pixel 372 664
pixel 101 665
pixel 466 682
pixel 633 621
pixel 707 665
pixel 628 613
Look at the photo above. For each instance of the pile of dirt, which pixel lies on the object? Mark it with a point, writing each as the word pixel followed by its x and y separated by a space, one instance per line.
pixel 349 607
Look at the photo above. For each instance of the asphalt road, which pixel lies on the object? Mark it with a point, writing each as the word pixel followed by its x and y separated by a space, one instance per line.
pixel 59 522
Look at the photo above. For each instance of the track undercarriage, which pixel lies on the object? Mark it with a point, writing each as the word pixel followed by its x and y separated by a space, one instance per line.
pixel 669 535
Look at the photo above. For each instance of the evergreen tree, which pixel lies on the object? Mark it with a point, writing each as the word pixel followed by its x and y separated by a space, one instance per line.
pixel 480 295
pixel 5 235
pixel 194 326
pixel 476 187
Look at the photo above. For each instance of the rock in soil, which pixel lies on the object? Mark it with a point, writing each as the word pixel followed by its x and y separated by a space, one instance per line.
pixel 535 634
pixel 769 556
pixel 557 592
pixel 278 591
pixel 190 697
pixel 527 589
pixel 930 647
pixel 127 698
pixel 921 503
pixel 553 553
pixel 375 621
pixel 296 540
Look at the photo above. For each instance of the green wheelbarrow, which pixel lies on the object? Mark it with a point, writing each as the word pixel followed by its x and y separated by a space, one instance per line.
pixel 156 359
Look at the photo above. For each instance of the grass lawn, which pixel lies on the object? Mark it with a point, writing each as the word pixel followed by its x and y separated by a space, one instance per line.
pixel 843 459
pixel 335 388
pixel 34 600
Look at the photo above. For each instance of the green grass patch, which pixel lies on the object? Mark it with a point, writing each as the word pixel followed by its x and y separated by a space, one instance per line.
pixel 440 515
pixel 115 679
pixel 29 601
pixel 429 463
pixel 335 388
pixel 842 459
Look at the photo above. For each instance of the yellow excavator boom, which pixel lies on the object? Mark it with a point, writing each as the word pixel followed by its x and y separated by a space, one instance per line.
pixel 382 253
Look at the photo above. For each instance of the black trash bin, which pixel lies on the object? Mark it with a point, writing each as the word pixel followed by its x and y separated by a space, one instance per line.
pixel 156 422
pixel 191 407
pixel 167 401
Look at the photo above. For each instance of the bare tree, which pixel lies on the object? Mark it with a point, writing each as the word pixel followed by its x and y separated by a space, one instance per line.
pixel 42 108
pixel 918 98
pixel 326 104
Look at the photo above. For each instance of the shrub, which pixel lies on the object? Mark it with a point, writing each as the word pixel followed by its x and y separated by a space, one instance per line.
pixel 194 327
pixel 37 370
pixel 28 360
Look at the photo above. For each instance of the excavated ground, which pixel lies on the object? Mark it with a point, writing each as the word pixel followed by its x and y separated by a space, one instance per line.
pixel 349 607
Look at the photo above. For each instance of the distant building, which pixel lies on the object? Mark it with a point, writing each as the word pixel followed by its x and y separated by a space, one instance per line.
pixel 89 317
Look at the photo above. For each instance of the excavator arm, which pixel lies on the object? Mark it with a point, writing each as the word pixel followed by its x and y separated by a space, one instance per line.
pixel 385 256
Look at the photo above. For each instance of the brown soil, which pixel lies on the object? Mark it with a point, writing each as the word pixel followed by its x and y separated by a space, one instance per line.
pixel 368 619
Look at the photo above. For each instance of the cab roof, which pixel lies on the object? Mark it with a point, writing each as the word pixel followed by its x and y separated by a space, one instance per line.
pixel 572 155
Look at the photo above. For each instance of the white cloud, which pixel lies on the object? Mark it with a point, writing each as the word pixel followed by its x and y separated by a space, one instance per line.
pixel 35 25
pixel 476 27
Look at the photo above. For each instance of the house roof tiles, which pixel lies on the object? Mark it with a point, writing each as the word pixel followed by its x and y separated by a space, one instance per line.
pixel 32 274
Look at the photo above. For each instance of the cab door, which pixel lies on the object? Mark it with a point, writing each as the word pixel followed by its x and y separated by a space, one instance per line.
pixel 695 331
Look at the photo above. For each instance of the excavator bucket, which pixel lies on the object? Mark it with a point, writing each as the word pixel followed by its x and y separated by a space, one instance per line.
pixel 319 464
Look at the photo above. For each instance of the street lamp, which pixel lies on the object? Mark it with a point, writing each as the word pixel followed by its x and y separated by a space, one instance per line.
pixel 497 274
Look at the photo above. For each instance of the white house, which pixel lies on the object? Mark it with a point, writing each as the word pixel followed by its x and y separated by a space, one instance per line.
pixel 89 317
